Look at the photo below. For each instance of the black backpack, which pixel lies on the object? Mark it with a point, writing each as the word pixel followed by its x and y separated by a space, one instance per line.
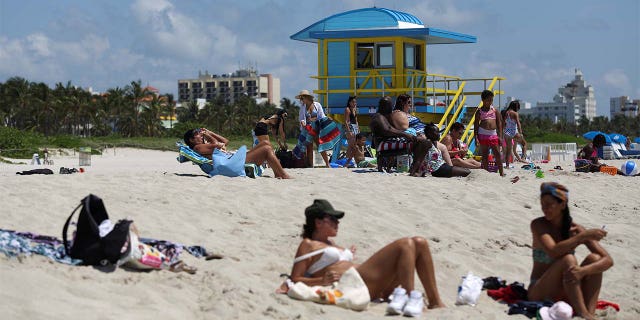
pixel 87 244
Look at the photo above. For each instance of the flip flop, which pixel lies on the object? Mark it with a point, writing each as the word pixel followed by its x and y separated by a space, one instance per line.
pixel 515 179
pixel 558 167
pixel 181 266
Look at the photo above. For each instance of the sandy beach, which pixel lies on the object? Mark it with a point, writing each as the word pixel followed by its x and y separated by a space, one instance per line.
pixel 477 224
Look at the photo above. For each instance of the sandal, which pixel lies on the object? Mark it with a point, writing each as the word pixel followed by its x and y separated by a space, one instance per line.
pixel 558 167
pixel 181 266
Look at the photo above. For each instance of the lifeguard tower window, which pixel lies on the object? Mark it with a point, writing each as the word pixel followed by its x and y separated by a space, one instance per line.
pixel 365 56
pixel 411 56
pixel 383 57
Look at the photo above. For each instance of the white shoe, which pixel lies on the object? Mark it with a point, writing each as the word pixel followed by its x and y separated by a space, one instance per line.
pixel 414 306
pixel 398 299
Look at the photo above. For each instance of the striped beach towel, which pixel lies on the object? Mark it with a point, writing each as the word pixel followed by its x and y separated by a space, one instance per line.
pixel 393 144
pixel 327 131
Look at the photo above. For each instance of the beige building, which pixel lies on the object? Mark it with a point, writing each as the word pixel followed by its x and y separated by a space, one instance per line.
pixel 262 87
pixel 624 106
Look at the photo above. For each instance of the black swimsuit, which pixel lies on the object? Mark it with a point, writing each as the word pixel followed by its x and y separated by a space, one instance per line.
pixel 261 129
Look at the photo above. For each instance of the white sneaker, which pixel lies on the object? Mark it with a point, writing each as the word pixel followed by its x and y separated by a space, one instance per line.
pixel 398 299
pixel 414 306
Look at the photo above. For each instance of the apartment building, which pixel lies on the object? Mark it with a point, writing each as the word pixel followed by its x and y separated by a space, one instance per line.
pixel 623 106
pixel 573 101
pixel 231 86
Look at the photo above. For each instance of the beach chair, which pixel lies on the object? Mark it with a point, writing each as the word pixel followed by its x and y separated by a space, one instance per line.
pixel 621 152
pixel 222 167
pixel 387 150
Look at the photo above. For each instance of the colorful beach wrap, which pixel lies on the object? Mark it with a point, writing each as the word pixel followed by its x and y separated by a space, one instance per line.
pixel 326 130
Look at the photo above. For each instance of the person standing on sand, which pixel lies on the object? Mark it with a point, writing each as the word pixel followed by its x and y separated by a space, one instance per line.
pixel 488 131
pixel 316 127
pixel 513 132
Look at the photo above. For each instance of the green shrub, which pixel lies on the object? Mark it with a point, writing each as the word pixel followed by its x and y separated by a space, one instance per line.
pixel 18 144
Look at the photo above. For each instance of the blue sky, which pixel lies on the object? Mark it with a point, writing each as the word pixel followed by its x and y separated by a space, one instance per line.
pixel 105 44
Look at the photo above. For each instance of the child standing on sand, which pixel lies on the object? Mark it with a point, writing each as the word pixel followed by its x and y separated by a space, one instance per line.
pixel 488 131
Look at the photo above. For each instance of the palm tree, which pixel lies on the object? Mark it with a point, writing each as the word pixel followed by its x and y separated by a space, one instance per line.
pixel 135 94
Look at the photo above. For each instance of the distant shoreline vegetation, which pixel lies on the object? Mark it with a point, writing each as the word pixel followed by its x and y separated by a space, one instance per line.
pixel 60 116
pixel 36 116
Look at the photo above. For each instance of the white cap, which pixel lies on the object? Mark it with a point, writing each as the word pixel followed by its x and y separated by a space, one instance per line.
pixel 558 311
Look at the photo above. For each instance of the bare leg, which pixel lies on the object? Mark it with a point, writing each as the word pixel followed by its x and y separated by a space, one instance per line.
pixel 263 152
pixel 484 152
pixel 509 151
pixel 325 157
pixel 498 157
pixel 426 272
pixel 466 163
pixel 391 266
pixel 460 172
pixel 420 148
pixel 552 283
pixel 591 284
pixel 310 155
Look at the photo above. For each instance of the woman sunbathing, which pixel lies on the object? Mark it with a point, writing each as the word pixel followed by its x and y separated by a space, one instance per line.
pixel 204 141
pixel 556 274
pixel 319 261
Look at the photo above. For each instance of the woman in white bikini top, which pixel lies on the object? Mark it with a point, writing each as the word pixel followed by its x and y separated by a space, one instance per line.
pixel 320 262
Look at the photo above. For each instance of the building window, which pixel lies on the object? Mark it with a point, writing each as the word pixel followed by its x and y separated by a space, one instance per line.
pixel 411 56
pixel 364 56
pixel 384 55
pixel 374 55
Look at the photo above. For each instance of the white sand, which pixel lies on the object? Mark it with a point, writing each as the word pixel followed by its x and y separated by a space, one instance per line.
pixel 478 224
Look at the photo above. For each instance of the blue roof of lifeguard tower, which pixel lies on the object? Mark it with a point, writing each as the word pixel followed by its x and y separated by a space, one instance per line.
pixel 378 22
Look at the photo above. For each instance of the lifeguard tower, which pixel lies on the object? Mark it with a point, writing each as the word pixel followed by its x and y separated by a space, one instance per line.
pixel 373 52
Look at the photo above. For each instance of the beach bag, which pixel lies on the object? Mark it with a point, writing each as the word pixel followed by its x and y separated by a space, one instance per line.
pixel 87 245
pixel 141 256
pixel 285 157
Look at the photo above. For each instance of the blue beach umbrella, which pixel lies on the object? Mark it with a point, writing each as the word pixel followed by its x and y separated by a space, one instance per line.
pixel 592 134
pixel 637 140
pixel 618 138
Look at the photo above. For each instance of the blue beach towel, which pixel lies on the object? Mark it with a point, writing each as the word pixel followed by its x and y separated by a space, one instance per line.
pixel 226 164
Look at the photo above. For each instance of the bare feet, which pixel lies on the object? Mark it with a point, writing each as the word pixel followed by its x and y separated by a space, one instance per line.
pixel 436 305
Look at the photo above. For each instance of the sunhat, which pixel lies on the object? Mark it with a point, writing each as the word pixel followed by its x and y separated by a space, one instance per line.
pixel 320 208
pixel 558 311
pixel 304 93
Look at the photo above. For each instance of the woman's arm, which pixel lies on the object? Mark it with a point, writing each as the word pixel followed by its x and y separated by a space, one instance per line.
pixel 215 137
pixel 558 249
pixel 445 153
pixel 282 141
pixel 499 127
pixel 302 115
pixel 320 110
pixel 347 118
pixel 518 123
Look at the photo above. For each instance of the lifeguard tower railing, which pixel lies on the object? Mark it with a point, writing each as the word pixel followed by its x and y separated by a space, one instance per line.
pixel 437 98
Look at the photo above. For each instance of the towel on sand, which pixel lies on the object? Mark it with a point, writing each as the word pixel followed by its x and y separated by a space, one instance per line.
pixel 350 292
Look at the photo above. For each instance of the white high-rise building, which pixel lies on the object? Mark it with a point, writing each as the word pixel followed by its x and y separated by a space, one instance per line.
pixel 572 102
